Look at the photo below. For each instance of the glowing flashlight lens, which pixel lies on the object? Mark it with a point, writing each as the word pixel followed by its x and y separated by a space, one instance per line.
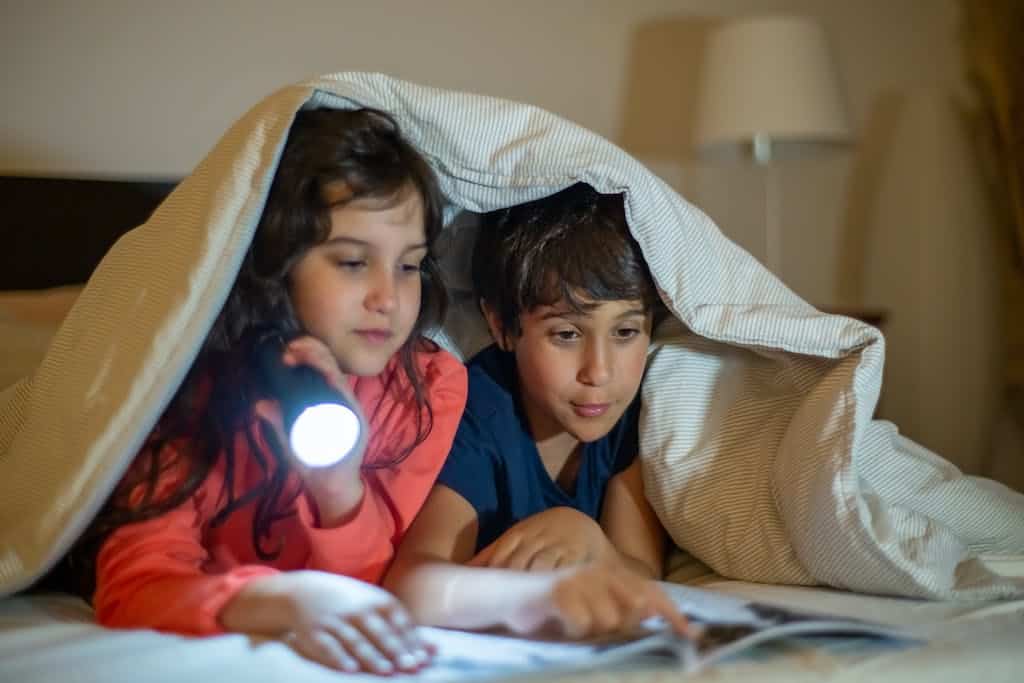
pixel 324 434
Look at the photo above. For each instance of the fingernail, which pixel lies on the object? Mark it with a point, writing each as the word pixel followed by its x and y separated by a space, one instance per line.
pixel 383 666
pixel 409 660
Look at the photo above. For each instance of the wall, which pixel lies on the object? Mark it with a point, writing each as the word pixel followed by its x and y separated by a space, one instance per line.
pixel 144 88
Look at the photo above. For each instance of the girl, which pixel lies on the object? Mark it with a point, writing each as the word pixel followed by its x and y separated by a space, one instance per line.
pixel 543 475
pixel 216 527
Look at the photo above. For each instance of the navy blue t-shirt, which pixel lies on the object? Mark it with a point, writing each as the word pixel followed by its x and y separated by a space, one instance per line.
pixel 494 463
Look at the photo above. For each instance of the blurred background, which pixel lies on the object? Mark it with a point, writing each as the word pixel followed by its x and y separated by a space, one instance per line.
pixel 897 223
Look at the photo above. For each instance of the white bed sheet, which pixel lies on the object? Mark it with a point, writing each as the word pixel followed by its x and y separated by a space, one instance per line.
pixel 46 638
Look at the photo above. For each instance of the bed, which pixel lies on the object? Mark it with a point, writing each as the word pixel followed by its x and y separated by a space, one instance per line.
pixel 47 636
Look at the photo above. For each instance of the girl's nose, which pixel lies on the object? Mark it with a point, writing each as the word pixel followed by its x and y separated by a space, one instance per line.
pixel 596 367
pixel 382 294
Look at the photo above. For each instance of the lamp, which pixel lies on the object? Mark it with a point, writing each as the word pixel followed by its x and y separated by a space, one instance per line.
pixel 323 425
pixel 768 84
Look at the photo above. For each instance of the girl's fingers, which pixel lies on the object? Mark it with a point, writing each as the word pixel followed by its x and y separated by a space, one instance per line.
pixel 421 651
pixel 323 649
pixel 359 646
pixel 314 353
pixel 391 642
pixel 404 624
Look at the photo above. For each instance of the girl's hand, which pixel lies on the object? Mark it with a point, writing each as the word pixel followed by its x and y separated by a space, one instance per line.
pixel 595 600
pixel 556 538
pixel 337 621
pixel 336 489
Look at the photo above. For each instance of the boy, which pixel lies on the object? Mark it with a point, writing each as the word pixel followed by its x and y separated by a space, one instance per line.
pixel 543 476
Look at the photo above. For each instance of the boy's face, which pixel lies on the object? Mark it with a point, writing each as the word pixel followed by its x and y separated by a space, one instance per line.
pixel 578 372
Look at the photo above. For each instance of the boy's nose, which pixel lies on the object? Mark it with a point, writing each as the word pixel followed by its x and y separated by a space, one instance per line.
pixel 596 368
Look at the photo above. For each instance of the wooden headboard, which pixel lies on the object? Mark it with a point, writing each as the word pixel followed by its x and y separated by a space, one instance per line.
pixel 56 230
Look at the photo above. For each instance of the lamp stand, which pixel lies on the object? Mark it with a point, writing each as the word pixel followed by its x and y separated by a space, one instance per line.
pixel 762 152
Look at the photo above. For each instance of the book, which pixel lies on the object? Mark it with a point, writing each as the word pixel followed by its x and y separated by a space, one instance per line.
pixel 727 626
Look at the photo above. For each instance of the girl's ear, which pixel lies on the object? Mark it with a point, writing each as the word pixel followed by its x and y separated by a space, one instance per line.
pixel 494 326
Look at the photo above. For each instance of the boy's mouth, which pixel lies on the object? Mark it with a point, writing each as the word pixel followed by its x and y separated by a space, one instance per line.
pixel 590 409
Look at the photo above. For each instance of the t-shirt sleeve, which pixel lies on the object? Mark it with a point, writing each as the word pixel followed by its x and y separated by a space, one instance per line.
pixel 473 470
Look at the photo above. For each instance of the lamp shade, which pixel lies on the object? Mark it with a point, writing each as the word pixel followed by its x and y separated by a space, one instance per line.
pixel 768 78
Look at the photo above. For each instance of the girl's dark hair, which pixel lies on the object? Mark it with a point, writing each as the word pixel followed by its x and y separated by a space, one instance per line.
pixel 572 245
pixel 364 151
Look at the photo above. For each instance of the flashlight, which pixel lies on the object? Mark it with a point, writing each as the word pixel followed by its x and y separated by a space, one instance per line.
pixel 324 425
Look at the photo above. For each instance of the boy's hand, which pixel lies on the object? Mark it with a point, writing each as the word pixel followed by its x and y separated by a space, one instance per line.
pixel 336 489
pixel 337 621
pixel 596 600
pixel 556 538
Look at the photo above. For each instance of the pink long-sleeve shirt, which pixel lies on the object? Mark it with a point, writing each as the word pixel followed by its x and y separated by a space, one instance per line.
pixel 176 572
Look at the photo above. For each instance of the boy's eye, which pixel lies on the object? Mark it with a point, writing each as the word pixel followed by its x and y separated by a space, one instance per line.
pixel 565 335
pixel 627 332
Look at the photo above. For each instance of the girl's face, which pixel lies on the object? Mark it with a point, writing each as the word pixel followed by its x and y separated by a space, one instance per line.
pixel 359 291
pixel 578 372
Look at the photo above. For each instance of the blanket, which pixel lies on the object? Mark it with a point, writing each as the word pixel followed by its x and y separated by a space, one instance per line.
pixel 759 451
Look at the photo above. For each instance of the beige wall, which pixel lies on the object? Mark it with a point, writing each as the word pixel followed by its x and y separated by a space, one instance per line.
pixel 140 87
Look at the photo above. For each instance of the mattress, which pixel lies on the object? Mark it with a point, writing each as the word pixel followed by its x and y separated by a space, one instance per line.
pixel 51 637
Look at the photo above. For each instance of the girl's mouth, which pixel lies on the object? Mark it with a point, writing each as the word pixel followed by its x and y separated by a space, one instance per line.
pixel 375 336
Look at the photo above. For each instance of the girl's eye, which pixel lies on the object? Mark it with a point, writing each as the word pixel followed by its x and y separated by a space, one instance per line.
pixel 349 262
pixel 411 267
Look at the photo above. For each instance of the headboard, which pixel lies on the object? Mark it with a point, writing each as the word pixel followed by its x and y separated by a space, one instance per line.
pixel 56 230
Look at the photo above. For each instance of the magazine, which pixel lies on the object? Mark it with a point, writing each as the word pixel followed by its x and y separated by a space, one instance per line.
pixel 727 626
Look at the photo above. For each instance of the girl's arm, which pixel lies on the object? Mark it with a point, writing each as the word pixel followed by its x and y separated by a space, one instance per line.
pixel 631 525
pixel 360 543
pixel 158 574
pixel 151 574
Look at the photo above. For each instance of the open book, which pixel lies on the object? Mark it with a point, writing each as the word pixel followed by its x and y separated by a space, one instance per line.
pixel 727 625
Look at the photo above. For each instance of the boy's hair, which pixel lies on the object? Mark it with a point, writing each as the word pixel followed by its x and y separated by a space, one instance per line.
pixel 571 246
pixel 363 151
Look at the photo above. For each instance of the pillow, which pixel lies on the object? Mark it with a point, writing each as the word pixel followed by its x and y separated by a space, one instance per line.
pixel 28 321
pixel 46 307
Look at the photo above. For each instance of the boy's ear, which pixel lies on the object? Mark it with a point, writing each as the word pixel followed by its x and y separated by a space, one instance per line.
pixel 494 326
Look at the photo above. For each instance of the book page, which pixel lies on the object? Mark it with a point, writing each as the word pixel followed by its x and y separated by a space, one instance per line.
pixel 727 626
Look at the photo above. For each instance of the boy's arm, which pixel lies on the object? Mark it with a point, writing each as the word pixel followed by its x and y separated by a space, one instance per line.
pixel 631 525
pixel 428 566
pixel 588 600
